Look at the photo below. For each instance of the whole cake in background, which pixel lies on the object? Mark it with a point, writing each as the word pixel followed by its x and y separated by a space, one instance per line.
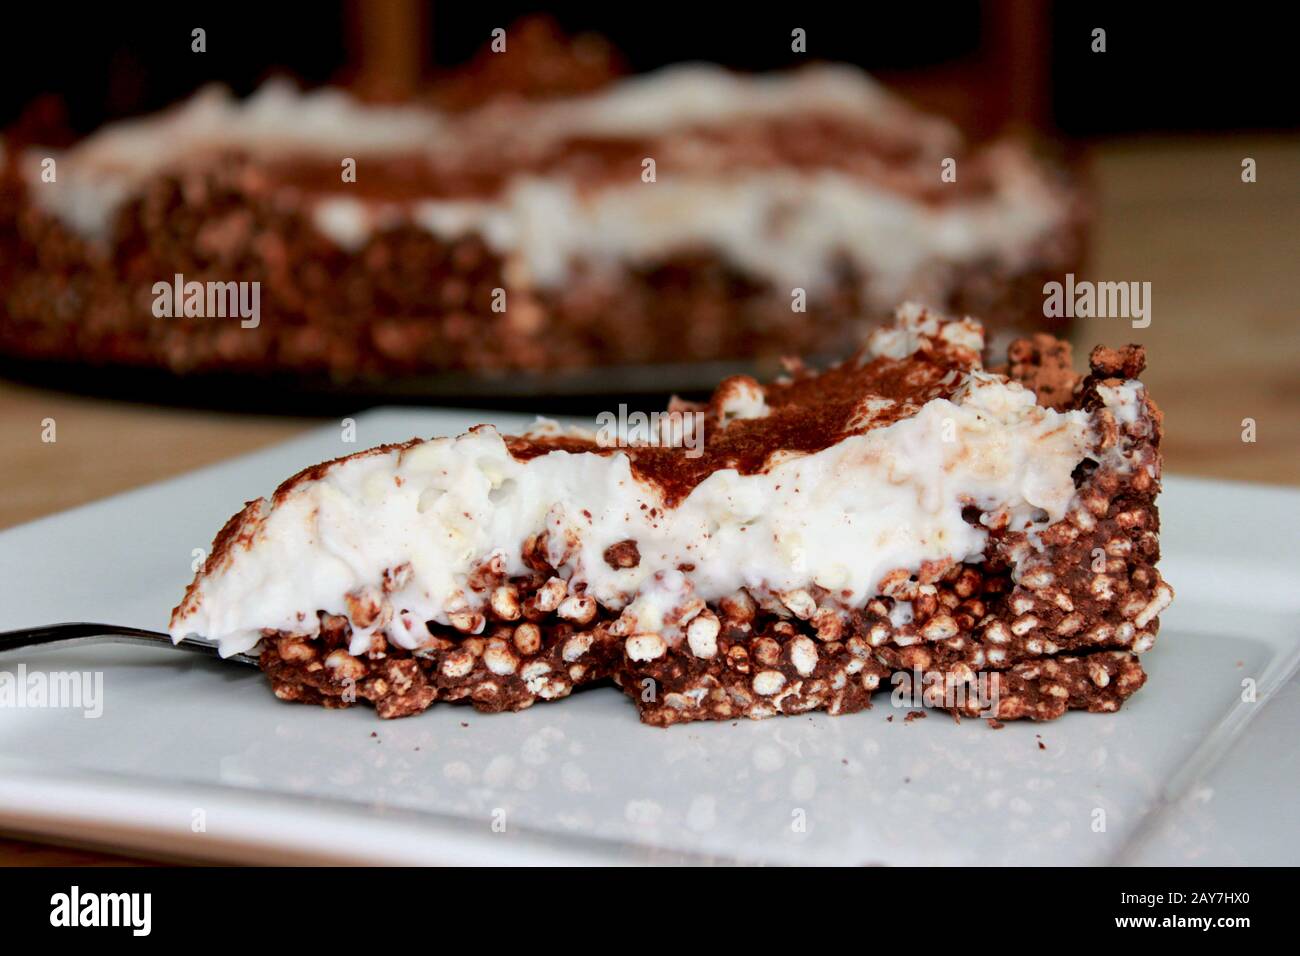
pixel 687 214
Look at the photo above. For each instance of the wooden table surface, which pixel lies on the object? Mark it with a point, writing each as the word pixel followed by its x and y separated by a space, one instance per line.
pixel 1222 257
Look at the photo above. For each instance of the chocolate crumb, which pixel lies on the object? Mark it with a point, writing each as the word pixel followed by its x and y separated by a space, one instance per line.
pixel 623 554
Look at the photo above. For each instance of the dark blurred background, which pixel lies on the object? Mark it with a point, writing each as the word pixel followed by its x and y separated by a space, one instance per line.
pixel 989 65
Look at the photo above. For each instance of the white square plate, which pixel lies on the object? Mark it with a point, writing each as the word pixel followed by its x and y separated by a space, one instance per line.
pixel 197 759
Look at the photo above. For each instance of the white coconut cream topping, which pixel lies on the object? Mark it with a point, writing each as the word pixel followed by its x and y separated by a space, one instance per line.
pixel 785 226
pixel 841 518
pixel 1124 400
pixel 698 94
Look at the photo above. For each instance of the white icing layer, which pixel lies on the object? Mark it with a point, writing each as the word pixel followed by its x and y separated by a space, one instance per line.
pixel 841 518
pixel 696 94
pixel 784 226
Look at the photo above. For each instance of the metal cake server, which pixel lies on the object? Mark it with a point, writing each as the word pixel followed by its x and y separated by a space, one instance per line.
pixel 80 633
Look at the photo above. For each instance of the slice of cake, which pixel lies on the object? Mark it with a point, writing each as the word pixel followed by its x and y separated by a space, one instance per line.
pixel 716 215
pixel 989 536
